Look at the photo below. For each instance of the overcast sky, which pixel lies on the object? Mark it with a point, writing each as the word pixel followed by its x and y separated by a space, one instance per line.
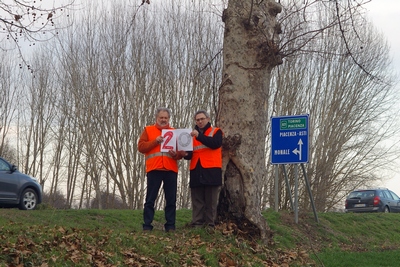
pixel 385 15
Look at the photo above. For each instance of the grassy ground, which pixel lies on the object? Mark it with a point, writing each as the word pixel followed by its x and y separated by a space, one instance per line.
pixel 114 238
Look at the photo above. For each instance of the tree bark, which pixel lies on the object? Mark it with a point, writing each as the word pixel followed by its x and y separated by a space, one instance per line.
pixel 250 52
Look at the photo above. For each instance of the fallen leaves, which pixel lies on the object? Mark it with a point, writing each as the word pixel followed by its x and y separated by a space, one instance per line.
pixel 225 246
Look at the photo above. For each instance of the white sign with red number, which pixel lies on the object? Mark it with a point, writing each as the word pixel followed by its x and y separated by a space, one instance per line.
pixel 177 140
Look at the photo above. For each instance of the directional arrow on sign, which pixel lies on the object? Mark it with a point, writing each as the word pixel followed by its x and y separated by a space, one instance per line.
pixel 298 151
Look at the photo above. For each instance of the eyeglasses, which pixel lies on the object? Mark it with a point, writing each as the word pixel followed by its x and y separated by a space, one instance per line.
pixel 201 119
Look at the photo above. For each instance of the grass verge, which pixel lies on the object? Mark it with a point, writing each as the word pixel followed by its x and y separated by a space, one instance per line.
pixel 115 238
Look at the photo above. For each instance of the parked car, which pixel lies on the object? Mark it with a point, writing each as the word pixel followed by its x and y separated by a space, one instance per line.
pixel 18 189
pixel 373 200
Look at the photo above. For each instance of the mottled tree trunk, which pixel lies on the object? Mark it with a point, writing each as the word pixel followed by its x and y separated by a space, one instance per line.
pixel 250 52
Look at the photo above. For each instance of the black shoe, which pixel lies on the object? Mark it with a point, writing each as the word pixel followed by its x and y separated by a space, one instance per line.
pixel 194 225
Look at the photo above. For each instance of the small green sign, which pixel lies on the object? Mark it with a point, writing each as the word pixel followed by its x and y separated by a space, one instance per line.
pixel 293 124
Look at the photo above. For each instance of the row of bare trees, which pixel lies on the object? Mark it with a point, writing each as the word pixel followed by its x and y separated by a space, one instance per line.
pixel 351 107
pixel 74 122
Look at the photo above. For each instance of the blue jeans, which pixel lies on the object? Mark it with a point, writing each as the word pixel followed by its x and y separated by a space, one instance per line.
pixel 154 180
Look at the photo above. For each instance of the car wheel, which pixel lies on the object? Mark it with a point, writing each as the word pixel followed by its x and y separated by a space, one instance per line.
pixel 386 210
pixel 28 200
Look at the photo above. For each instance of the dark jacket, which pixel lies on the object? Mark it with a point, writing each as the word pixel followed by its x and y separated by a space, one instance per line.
pixel 206 176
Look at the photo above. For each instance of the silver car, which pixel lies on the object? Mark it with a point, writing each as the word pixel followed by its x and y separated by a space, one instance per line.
pixel 18 189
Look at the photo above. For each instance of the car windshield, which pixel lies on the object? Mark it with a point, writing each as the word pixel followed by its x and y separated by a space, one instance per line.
pixel 362 194
pixel 4 166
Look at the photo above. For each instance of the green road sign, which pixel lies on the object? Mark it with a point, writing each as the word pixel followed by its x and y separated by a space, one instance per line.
pixel 293 124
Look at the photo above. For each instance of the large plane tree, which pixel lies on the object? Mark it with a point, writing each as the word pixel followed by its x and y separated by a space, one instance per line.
pixel 250 52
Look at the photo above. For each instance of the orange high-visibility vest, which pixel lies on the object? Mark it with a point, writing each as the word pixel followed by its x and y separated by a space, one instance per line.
pixel 155 159
pixel 209 158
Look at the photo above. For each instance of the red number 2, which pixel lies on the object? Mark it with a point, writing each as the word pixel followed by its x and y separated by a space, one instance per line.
pixel 168 137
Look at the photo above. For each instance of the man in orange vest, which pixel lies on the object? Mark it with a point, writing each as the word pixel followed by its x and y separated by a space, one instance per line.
pixel 161 167
pixel 205 170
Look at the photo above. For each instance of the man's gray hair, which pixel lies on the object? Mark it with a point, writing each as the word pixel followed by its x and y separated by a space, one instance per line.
pixel 201 111
pixel 158 110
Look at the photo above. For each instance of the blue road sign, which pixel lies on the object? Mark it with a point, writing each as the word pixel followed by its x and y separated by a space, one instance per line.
pixel 289 138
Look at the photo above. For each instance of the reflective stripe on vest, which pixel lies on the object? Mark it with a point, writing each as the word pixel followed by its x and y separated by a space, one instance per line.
pixel 165 154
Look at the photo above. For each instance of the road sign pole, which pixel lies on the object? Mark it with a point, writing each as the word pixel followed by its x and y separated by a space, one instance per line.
pixel 276 188
pixel 296 194
pixel 310 193
pixel 288 186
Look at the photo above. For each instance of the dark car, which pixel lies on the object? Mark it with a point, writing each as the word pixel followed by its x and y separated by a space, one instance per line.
pixel 373 200
pixel 18 189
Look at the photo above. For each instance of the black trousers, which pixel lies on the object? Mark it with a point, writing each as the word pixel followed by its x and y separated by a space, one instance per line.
pixel 204 204
pixel 154 181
